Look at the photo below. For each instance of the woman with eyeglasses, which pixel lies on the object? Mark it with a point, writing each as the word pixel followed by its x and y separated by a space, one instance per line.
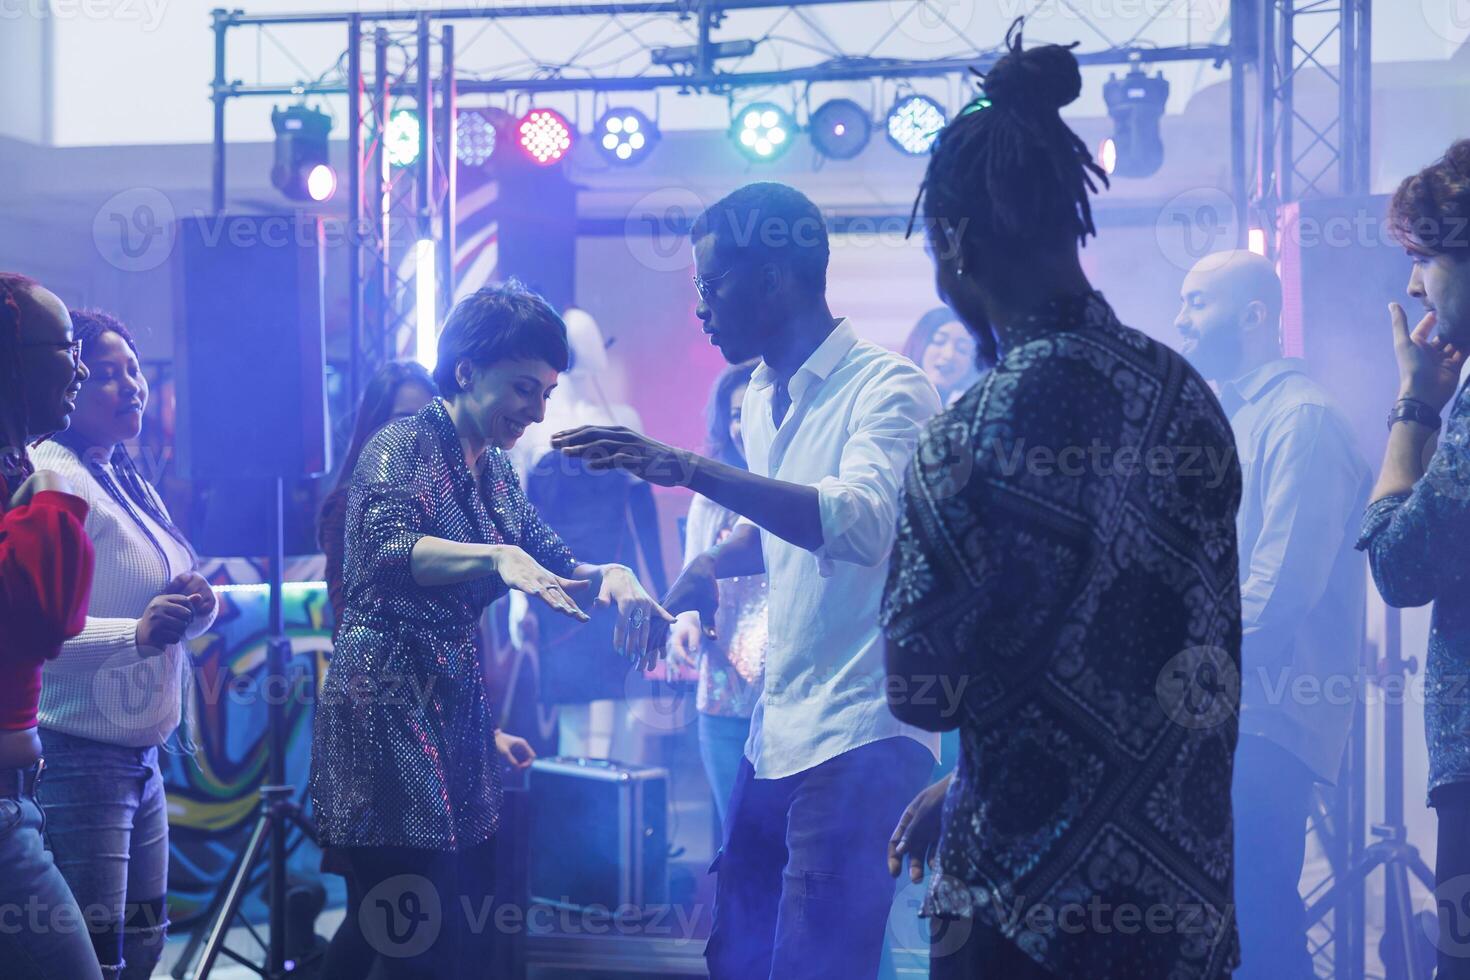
pixel 45 580
pixel 119 690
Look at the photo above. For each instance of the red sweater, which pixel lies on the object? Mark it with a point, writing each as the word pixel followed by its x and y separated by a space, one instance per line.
pixel 45 583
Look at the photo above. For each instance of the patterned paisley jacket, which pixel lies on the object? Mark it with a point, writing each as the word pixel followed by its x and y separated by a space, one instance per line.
pixel 1066 564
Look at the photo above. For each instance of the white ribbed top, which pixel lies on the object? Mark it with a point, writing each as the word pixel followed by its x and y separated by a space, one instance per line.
pixel 100 687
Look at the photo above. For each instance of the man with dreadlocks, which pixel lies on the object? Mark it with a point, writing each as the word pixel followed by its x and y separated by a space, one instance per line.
pixel 1066 546
pixel 45 581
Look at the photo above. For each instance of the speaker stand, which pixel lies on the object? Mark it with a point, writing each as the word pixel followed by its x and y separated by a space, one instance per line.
pixel 1405 950
pixel 278 813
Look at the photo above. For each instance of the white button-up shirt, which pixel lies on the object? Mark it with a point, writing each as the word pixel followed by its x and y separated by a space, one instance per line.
pixel 855 416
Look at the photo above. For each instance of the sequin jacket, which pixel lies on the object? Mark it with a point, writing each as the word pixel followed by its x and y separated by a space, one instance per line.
pixel 403 746
pixel 1415 544
pixel 1066 564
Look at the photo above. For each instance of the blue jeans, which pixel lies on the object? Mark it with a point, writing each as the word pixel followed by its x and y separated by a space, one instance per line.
pixel 803 887
pixel 721 748
pixel 108 828
pixel 42 935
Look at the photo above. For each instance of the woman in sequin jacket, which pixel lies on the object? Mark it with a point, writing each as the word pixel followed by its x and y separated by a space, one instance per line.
pixel 406 781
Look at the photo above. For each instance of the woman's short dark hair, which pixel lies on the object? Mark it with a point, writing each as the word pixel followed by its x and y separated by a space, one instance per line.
pixel 504 322
pixel 769 221
pixel 1430 211
pixel 720 446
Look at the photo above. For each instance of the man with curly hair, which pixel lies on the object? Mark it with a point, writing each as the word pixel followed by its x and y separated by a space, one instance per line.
pixel 1420 511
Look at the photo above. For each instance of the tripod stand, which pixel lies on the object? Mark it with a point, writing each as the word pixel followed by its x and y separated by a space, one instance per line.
pixel 1392 852
pixel 278 812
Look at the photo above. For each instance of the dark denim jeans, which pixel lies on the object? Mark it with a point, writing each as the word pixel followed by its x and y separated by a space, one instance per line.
pixel 803 887
pixel 42 935
pixel 107 824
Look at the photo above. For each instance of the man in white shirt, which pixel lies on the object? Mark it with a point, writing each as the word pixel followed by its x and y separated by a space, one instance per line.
pixel 830 426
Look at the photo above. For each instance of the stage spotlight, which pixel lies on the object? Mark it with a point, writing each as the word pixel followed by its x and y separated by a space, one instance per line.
pixel 1136 103
pixel 544 135
pixel 401 142
pixel 914 123
pixel 301 170
pixel 763 131
pixel 625 135
pixel 840 129
pixel 474 137
pixel 321 183
pixel 1107 155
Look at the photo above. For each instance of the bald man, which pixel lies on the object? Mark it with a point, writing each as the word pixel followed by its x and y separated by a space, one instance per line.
pixel 1302 591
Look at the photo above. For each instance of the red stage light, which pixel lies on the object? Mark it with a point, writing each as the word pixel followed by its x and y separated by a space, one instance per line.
pixel 544 135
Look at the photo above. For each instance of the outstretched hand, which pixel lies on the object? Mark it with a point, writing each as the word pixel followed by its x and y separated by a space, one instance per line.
pixel 518 570
pixel 642 623
pixel 610 447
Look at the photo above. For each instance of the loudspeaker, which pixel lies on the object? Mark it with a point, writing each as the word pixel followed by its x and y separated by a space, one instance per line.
pixel 598 833
pixel 536 211
pixel 249 347
pixel 1340 268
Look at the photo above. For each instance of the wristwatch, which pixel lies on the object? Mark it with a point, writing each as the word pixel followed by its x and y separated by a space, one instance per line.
pixel 1413 410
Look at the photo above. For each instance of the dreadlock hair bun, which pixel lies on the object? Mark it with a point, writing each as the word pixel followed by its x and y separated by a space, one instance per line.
pixel 1014 177
pixel 1046 78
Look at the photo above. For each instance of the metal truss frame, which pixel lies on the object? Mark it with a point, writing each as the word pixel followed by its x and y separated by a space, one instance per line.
pixel 385 207
pixel 1301 152
pixel 1304 151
